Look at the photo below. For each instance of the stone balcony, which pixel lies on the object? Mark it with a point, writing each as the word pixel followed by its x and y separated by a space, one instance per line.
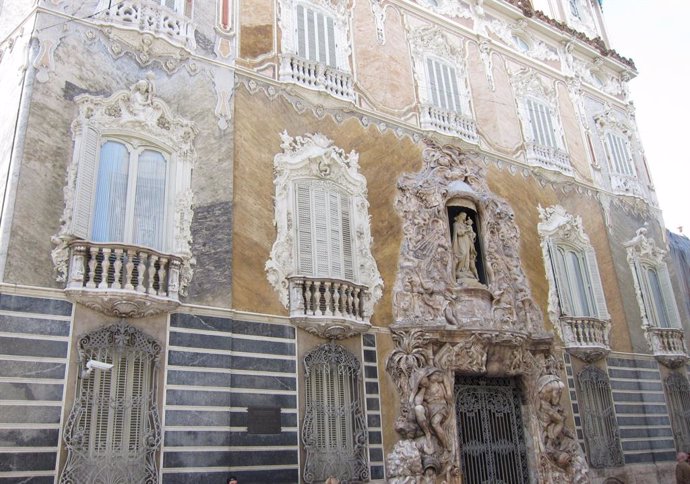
pixel 626 185
pixel 329 308
pixel 586 338
pixel 123 280
pixel 667 345
pixel 316 75
pixel 448 122
pixel 548 157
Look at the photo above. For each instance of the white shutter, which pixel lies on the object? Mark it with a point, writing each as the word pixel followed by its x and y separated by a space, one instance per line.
pixel 320 223
pixel 87 151
pixel 305 262
pixel 561 279
pixel 348 256
pixel 301 33
pixel 433 84
pixel 330 31
pixel 597 288
pixel 669 298
pixel 335 234
pixel 457 107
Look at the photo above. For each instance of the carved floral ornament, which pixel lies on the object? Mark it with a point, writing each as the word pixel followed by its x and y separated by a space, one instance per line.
pixel 643 248
pixel 136 115
pixel 314 157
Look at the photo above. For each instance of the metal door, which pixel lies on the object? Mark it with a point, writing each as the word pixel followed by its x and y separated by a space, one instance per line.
pixel 490 431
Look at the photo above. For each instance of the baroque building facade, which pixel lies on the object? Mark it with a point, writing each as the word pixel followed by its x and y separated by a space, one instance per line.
pixel 406 241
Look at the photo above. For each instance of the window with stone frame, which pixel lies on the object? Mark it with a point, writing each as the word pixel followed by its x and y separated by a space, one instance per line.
pixel 599 424
pixel 652 282
pixel 541 126
pixel 677 391
pixel 334 430
pixel 316 46
pixel 441 75
pixel 321 262
pixel 580 16
pixel 129 180
pixel 113 430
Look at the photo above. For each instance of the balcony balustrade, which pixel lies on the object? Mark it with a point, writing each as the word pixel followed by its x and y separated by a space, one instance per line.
pixel 667 345
pixel 626 185
pixel 123 280
pixel 148 17
pixel 549 157
pixel 586 338
pixel 449 122
pixel 330 308
pixel 316 75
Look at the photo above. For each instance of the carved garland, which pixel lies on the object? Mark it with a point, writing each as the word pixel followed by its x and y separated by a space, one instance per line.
pixel 134 113
pixel 313 156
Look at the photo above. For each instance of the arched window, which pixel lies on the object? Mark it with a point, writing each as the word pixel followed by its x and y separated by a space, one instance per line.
pixel 113 430
pixel 334 430
pixel 598 415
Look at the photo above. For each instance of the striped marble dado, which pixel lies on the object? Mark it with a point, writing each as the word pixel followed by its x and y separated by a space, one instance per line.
pixel 34 344
pixel 217 369
pixel 373 406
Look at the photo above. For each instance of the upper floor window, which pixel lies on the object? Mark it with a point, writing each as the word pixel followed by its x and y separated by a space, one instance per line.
pixel 572 267
pixel 440 72
pixel 652 282
pixel 538 111
pixel 619 154
pixel 129 181
pixel 183 7
pixel 574 8
pixel 334 431
pixel 315 45
pixel 321 262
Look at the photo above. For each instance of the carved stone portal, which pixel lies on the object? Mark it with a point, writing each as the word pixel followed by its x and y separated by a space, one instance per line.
pixel 467 311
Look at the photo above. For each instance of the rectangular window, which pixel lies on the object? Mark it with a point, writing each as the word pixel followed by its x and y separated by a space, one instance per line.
pixel 619 154
pixel 657 310
pixel 443 85
pixel 541 124
pixel 316 36
pixel 576 290
pixel 324 231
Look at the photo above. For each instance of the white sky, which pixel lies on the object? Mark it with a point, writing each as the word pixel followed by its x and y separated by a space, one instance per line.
pixel 655 34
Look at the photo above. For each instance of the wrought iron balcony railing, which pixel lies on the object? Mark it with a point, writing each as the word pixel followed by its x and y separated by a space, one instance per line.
pixel 123 280
pixel 667 345
pixel 330 308
pixel 316 75
pixel 586 338
pixel 449 122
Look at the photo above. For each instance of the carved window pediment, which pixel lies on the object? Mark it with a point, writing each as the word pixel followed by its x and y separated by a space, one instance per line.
pixel 321 263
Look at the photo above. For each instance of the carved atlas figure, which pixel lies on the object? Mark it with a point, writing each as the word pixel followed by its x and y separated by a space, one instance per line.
pixel 432 402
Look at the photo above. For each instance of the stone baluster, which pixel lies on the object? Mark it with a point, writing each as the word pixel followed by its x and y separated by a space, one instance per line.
pixel 355 303
pixel 337 288
pixel 162 274
pixel 141 271
pixel 93 252
pixel 117 267
pixel 129 269
pixel 328 295
pixel 150 273
pixel 105 267
pixel 309 297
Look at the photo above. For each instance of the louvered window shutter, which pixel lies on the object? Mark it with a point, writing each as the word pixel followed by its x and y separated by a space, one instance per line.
pixel 620 156
pixel 305 263
pixel 562 289
pixel 87 152
pixel 669 298
pixel 335 238
pixel 301 32
pixel 578 282
pixel 348 256
pixel 330 31
pixel 597 287
pixel 320 223
pixel 149 201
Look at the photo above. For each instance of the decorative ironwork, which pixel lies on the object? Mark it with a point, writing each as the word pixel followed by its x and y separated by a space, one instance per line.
pixel 599 419
pixel 490 430
pixel 678 398
pixel 113 431
pixel 334 430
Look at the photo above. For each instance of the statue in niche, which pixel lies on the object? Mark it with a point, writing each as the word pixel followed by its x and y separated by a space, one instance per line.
pixel 432 402
pixel 464 252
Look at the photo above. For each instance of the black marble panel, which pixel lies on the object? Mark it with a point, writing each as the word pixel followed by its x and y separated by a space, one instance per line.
pixel 641 409
pixel 198 398
pixel 29 437
pixel 639 397
pixel 207 323
pixel 264 382
pixel 274 476
pixel 18 324
pixel 25 304
pixel 263 346
pixel 28 480
pixel 239 419
pixel 371 387
pixel 636 374
pixel 31 369
pixel 369 340
pixel 24 414
pixel 631 363
pixel 376 472
pixel 175 438
pixel 229 458
pixel 371 372
pixel 30 391
pixel 370 356
pixel 263 364
pixel 645 432
pixel 645 420
pixel 375 437
pixel 649 457
pixel 636 445
pixel 32 347
pixel 27 461
pixel 373 404
pixel 263 400
pixel 197 359
pixel 228 343
pixel 196 418
pixel 373 421
pixel 636 385
pixel 218 342
pixel 375 455
pixel 177 377
pixel 264 329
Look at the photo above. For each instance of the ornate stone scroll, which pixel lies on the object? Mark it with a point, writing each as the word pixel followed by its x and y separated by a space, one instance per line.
pixel 427 292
